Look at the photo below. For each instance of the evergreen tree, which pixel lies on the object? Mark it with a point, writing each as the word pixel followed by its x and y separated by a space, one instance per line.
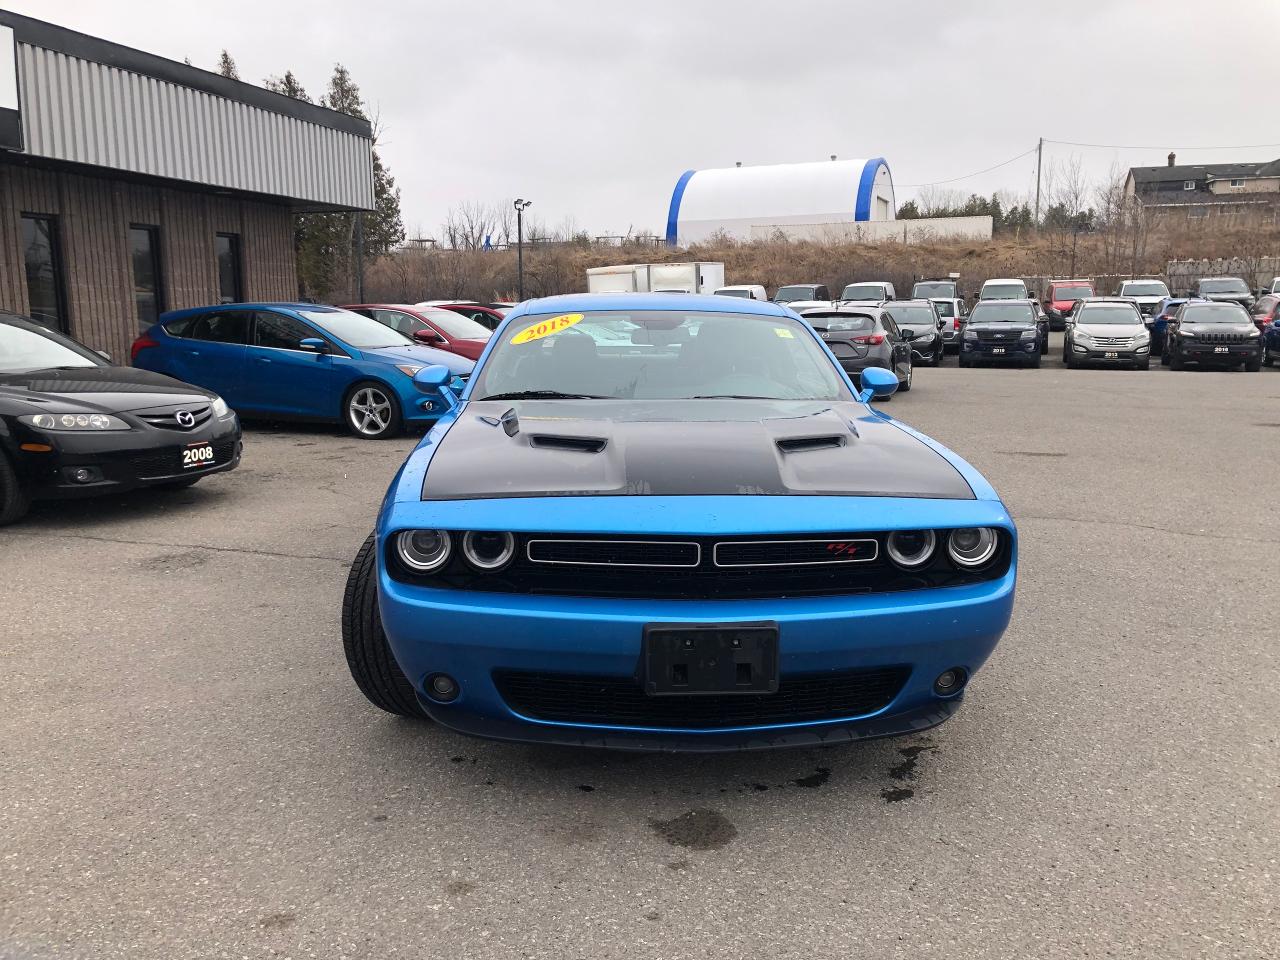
pixel 909 211
pixel 288 85
pixel 227 66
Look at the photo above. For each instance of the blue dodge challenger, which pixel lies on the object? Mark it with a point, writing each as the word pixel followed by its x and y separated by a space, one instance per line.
pixel 668 522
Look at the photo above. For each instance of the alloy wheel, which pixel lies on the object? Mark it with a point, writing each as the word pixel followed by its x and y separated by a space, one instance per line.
pixel 370 411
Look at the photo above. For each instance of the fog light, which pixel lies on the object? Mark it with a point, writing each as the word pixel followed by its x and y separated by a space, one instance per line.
pixel 442 687
pixel 949 682
pixel 82 474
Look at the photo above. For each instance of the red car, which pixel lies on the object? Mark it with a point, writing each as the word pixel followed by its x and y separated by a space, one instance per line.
pixel 1266 310
pixel 434 326
pixel 1061 297
pixel 488 317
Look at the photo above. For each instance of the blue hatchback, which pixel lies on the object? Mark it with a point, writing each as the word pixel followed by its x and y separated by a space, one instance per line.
pixel 299 360
pixel 669 522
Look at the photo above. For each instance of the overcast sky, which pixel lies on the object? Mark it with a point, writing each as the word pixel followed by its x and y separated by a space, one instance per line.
pixel 593 109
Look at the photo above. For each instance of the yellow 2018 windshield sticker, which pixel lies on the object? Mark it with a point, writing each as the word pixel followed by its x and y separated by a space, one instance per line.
pixel 784 333
pixel 547 327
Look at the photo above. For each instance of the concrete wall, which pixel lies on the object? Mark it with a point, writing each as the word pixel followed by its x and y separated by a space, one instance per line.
pixel 94 214
pixel 901 231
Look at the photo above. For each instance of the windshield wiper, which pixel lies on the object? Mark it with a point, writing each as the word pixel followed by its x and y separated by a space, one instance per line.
pixel 543 395
pixel 732 396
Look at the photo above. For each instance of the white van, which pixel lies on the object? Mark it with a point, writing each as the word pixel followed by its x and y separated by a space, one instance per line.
pixel 1004 290
pixel 750 291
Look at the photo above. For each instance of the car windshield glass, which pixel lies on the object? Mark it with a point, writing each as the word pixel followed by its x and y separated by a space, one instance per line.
pixel 730 292
pixel 363 333
pixel 984 312
pixel 1145 288
pixel 1004 291
pixel 1072 293
pixel 939 289
pixel 25 348
pixel 945 308
pixel 1223 286
pixel 1215 313
pixel 863 291
pixel 656 355
pixel 912 316
pixel 787 294
pixel 856 322
pixel 1108 313
pixel 456 326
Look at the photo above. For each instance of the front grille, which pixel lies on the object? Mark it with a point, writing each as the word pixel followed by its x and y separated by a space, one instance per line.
pixel 615 553
pixel 168 462
pixel 1149 308
pixel 1221 337
pixel 169 419
pixel 999 337
pixel 1113 343
pixel 704 568
pixel 622 702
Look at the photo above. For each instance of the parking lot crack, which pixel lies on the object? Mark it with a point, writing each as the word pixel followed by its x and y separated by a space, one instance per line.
pixel 185 546
pixel 1151 526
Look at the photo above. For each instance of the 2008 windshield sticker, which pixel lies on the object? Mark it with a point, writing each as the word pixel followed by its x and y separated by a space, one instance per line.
pixel 547 327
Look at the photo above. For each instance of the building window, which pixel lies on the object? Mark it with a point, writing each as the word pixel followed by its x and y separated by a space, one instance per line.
pixel 1188 184
pixel 144 251
pixel 1237 183
pixel 227 248
pixel 1196 213
pixel 45 283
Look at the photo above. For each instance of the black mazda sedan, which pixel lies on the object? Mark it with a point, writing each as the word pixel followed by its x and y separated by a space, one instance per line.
pixel 74 425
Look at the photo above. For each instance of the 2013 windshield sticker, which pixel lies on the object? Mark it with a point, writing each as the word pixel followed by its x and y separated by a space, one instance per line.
pixel 547 327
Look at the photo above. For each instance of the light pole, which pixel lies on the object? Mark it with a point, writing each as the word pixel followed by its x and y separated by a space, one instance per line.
pixel 521 206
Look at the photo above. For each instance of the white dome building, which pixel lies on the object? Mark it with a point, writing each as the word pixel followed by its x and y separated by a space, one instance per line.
pixel 734 200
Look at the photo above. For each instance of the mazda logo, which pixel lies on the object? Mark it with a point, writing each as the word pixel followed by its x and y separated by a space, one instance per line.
pixel 185 418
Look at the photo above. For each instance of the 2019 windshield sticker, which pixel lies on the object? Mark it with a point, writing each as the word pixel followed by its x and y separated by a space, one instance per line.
pixel 547 327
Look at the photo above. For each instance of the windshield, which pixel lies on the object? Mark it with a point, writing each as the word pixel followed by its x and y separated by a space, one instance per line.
pixel 1072 293
pixel 657 355
pixel 1144 288
pixel 1215 313
pixel 1223 286
pixel 912 316
pixel 361 332
pixel 455 325
pixel 1004 291
pixel 863 291
pixel 945 308
pixel 29 347
pixel 940 288
pixel 787 294
pixel 733 292
pixel 984 312
pixel 1108 313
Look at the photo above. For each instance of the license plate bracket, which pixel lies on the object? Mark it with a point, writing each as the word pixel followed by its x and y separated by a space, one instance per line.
pixel 198 455
pixel 1220 350
pixel 997 349
pixel 709 659
pixel 1110 355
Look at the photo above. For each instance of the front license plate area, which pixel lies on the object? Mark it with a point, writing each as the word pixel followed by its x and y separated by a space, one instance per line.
pixel 699 659
pixel 1219 349
pixel 997 349
pixel 196 455
pixel 1110 355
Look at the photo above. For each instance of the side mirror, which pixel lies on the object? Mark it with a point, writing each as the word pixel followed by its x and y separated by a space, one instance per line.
pixel 436 381
pixel 877 382
pixel 314 344
pixel 908 334
pixel 427 335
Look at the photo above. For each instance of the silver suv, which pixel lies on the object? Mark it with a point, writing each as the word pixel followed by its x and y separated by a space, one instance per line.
pixel 1109 331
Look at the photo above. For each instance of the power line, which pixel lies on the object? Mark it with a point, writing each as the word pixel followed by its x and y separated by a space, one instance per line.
pixel 1121 146
pixel 967 176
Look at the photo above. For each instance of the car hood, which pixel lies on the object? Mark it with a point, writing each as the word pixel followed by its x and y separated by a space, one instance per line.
pixel 1244 298
pixel 1062 305
pixel 471 349
pixel 427 356
pixel 1244 326
pixel 1111 329
pixel 539 448
pixel 919 328
pixel 1005 326
pixel 97 390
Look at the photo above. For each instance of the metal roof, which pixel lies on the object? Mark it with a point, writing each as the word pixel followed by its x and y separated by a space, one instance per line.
pixel 88 101
pixel 1216 171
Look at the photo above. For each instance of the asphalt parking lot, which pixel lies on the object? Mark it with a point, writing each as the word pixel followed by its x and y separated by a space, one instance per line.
pixel 187 770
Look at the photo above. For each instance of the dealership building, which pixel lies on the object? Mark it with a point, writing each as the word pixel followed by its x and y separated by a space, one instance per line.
pixel 131 184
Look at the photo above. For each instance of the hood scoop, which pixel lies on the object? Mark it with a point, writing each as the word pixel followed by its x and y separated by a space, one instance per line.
pixel 801 444
pixel 551 441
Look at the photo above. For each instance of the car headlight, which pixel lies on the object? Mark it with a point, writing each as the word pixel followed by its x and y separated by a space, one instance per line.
pixel 487 550
pixel 971 547
pixel 1255 332
pixel 970 335
pixel 424 551
pixel 911 548
pixel 1030 334
pixel 78 422
pixel 220 408
pixel 409 369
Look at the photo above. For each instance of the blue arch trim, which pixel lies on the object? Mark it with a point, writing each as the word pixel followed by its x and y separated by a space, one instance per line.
pixel 673 214
pixel 867 182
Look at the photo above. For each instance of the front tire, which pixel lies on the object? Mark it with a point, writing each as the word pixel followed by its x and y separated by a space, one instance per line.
pixel 14 500
pixel 1175 361
pixel 905 385
pixel 1254 365
pixel 369 657
pixel 372 412
pixel 1143 364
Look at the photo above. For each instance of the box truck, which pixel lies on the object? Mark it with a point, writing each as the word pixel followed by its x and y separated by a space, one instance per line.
pixel 656 278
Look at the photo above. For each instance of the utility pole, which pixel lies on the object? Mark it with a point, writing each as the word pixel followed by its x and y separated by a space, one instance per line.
pixel 520 206
pixel 1039 156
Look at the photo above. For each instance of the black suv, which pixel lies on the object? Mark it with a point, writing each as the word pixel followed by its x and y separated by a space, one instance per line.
pixel 919 322
pixel 1217 334
pixel 1004 331
pixel 1224 290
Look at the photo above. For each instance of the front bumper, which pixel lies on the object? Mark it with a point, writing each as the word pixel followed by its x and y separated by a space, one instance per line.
pixel 1105 357
pixel 1195 352
pixel 469 635
pixel 123 460
pixel 1012 351
pixel 927 349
